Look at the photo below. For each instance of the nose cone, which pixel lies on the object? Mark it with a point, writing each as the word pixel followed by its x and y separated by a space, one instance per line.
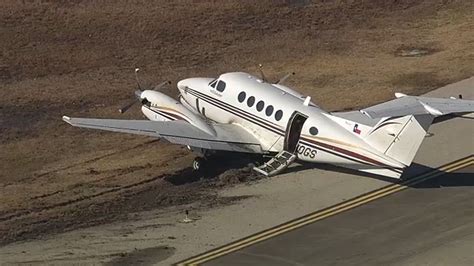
pixel 182 84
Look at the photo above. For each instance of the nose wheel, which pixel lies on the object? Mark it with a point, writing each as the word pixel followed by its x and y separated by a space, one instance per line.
pixel 198 163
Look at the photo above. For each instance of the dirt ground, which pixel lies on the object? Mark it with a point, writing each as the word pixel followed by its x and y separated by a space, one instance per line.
pixel 77 58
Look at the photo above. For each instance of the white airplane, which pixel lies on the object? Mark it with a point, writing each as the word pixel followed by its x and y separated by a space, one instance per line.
pixel 242 113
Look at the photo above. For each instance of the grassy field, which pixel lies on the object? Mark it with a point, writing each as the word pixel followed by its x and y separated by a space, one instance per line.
pixel 77 58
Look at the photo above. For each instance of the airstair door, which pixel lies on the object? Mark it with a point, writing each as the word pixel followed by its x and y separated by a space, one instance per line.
pixel 284 158
pixel 293 131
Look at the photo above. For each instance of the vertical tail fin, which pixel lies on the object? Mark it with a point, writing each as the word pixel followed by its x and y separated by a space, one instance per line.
pixel 399 137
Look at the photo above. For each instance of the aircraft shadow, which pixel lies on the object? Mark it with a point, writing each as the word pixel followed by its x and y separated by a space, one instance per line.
pixel 441 119
pixel 461 178
pixel 216 165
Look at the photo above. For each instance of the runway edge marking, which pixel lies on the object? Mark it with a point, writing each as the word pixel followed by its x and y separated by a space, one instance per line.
pixel 327 212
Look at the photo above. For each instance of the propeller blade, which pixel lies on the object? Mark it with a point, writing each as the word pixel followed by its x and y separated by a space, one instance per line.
pixel 136 78
pixel 161 85
pixel 285 78
pixel 126 107
pixel 262 75
pixel 138 94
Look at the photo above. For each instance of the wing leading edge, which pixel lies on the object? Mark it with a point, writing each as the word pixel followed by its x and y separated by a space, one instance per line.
pixel 228 137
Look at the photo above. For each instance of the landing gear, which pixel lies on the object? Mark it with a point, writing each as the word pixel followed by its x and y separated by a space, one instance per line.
pixel 198 163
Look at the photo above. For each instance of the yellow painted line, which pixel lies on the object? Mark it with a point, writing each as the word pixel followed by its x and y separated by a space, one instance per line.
pixel 322 214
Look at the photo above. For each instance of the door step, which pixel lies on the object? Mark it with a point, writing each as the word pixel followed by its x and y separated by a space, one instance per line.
pixel 280 162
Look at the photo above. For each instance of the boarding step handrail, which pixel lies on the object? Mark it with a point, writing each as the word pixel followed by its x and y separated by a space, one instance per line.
pixel 278 163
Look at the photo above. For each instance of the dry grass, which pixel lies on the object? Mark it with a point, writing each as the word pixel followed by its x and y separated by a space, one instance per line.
pixel 77 58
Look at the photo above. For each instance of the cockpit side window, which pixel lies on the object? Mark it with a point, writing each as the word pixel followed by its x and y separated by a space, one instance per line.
pixel 220 86
pixel 213 83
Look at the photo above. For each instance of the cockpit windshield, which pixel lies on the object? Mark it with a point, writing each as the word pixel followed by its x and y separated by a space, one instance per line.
pixel 220 86
pixel 213 83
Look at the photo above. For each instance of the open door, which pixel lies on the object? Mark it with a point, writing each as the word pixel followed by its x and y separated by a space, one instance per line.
pixel 293 131
pixel 287 156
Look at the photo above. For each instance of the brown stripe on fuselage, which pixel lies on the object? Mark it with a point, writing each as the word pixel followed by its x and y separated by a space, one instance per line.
pixel 350 153
pixel 279 130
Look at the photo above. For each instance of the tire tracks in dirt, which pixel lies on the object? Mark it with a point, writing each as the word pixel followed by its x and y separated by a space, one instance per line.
pixel 79 199
pixel 94 159
pixel 19 213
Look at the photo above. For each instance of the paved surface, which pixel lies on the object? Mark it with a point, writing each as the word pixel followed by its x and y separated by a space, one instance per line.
pixel 309 190
pixel 271 202
pixel 430 224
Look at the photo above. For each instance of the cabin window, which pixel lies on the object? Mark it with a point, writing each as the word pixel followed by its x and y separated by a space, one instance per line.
pixel 220 86
pixel 278 115
pixel 269 110
pixel 250 101
pixel 260 106
pixel 313 131
pixel 242 97
pixel 213 83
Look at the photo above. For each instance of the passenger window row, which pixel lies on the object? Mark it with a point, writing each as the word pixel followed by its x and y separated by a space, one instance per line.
pixel 260 105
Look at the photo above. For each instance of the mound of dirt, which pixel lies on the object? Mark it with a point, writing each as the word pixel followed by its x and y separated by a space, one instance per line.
pixel 113 204
pixel 77 58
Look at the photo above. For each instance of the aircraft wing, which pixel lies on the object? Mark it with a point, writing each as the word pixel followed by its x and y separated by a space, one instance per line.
pixel 228 137
pixel 413 105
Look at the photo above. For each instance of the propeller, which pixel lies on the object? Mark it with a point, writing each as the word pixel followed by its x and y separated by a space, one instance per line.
pixel 137 79
pixel 139 91
pixel 126 107
pixel 161 85
pixel 285 78
pixel 262 75
pixel 264 79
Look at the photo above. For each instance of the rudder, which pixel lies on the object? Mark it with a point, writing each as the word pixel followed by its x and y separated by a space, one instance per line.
pixel 399 137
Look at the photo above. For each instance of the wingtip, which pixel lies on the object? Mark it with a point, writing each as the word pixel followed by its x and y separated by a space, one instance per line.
pixel 400 95
pixel 67 119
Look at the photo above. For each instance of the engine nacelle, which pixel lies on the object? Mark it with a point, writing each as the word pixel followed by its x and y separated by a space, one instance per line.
pixel 158 106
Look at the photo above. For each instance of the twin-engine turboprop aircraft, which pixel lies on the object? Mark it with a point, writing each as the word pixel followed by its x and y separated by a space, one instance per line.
pixel 242 113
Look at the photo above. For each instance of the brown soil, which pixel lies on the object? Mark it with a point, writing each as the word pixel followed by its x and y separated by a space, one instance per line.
pixel 77 58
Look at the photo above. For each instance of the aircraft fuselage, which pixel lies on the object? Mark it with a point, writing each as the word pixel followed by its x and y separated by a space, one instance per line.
pixel 265 109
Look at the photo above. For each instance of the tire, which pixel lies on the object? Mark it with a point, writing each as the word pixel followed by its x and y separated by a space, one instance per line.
pixel 198 163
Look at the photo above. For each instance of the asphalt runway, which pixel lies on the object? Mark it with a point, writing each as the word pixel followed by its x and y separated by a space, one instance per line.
pixel 429 223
